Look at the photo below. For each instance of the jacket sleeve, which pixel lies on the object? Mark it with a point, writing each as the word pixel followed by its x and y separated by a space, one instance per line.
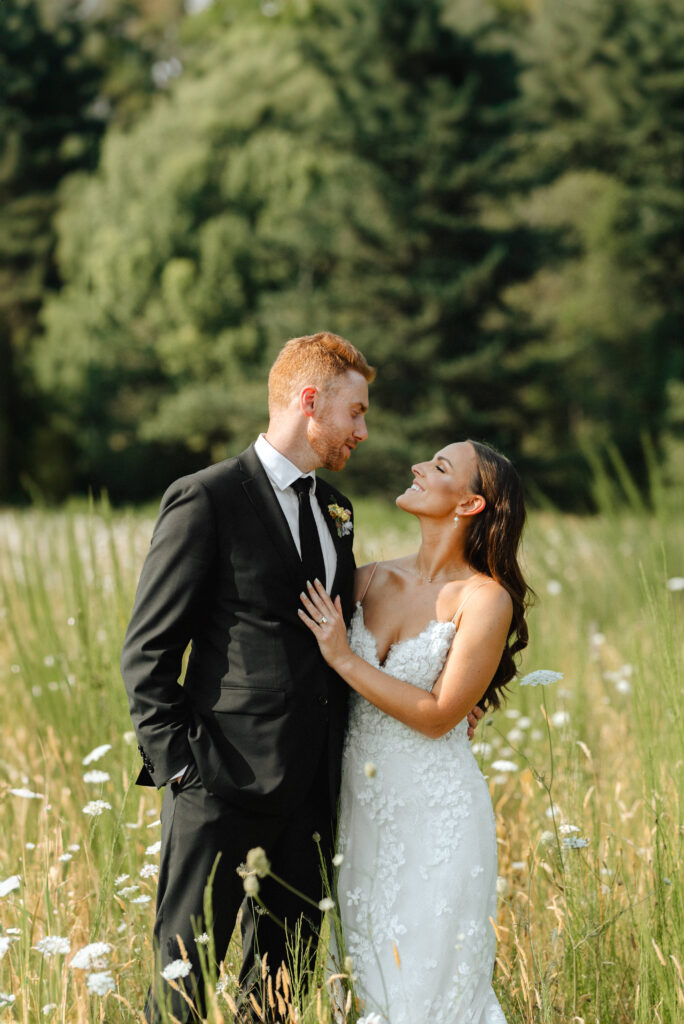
pixel 175 583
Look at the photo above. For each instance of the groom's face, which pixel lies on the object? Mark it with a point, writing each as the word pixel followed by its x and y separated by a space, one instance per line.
pixel 338 422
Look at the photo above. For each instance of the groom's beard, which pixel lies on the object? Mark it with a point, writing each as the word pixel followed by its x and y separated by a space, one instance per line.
pixel 331 455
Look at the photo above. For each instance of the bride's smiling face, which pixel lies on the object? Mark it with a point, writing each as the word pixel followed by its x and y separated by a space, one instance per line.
pixel 442 487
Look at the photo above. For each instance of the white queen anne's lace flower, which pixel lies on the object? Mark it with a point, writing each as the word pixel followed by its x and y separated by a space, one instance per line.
pixel 153 849
pixel 6 999
pixel 96 777
pixel 675 583
pixel 100 983
pixel 5 943
pixel 176 969
pixel 26 794
pixel 95 954
pixel 53 945
pixel 97 753
pixel 96 807
pixel 10 884
pixel 574 842
pixel 504 766
pixel 542 677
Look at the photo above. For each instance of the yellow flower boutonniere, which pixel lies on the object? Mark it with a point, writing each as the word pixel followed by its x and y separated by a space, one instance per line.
pixel 342 519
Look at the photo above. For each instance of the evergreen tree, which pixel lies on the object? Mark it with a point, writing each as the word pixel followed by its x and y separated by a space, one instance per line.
pixel 45 132
pixel 322 168
pixel 602 160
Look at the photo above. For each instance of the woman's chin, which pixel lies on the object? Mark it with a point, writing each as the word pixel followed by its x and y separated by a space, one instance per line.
pixel 403 501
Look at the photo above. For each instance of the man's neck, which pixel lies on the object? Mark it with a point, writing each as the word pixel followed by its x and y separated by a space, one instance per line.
pixel 293 446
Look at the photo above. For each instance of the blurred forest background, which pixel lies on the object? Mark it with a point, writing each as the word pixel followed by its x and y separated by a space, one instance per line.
pixel 486 197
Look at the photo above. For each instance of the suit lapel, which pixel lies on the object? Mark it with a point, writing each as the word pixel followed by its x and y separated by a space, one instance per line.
pixel 343 545
pixel 258 488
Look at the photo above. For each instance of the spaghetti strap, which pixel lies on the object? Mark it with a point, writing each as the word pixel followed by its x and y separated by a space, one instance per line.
pixel 370 580
pixel 467 597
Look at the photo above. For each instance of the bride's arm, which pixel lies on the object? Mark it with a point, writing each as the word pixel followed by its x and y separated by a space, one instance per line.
pixel 470 666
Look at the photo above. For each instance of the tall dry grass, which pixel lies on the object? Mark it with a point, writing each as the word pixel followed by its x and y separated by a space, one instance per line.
pixel 590 922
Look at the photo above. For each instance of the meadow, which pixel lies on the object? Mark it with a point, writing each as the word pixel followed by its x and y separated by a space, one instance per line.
pixel 585 773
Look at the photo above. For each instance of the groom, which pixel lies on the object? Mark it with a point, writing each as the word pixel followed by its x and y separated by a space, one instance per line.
pixel 249 748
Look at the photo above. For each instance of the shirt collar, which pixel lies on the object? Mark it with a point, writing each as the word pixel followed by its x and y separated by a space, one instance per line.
pixel 281 472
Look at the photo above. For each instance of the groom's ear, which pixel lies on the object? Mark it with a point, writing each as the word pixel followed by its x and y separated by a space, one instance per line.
pixel 307 399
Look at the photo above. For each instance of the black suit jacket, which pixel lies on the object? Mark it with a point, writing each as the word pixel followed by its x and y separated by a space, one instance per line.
pixel 260 711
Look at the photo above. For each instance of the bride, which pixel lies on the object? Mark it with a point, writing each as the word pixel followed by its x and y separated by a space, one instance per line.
pixel 432 635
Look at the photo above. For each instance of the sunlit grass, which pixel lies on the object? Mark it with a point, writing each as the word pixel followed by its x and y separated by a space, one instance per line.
pixel 589 933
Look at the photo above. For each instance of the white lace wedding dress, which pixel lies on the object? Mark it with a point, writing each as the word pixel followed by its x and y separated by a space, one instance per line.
pixel 417 885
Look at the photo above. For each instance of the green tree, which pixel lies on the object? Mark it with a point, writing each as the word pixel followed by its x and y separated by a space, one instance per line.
pixel 321 168
pixel 601 143
pixel 45 132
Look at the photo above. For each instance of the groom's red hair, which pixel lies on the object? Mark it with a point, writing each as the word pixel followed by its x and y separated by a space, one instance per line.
pixel 315 359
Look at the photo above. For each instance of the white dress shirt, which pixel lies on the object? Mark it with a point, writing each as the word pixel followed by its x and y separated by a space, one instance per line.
pixel 282 474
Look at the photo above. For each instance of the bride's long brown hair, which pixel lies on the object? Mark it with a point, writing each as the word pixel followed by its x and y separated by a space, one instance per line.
pixel 491 547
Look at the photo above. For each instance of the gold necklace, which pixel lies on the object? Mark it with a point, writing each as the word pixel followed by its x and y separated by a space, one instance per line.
pixel 431 579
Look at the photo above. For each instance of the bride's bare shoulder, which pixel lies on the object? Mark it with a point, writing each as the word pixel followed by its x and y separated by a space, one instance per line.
pixel 381 573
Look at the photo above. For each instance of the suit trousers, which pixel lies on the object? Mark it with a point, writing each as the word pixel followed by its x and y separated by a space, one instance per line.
pixel 197 827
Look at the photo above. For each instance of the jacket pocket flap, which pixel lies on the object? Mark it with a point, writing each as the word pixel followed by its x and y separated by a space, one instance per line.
pixel 243 700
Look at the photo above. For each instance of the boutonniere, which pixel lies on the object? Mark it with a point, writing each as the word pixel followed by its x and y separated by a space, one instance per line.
pixel 342 519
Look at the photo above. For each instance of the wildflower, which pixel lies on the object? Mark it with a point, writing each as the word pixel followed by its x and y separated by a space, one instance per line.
pixel 553 810
pixel 176 969
pixel 100 983
pixel 519 865
pixel 251 885
pixel 10 884
pixel 52 945
pixel 30 846
pixel 574 842
pixel 675 583
pixel 26 794
pixel 120 879
pixel 515 736
pixel 5 944
pixel 542 677
pixel 597 639
pixel 326 904
pixel 202 940
pixel 142 899
pixel 512 713
pixel 316 837
pixel 482 748
pixel 74 847
pixel 148 870
pixel 568 830
pixel 501 886
pixel 548 838
pixel 258 862
pixel 560 718
pixel 64 857
pixel 153 849
pixel 623 686
pixel 129 736
pixel 48 1008
pixel 524 722
pixel 553 588
pixel 128 891
pixel 96 777
pixel 504 766
pixel 6 999
pixel 370 771
pixel 97 753
pixel 96 807
pixel 95 954
pixel 337 859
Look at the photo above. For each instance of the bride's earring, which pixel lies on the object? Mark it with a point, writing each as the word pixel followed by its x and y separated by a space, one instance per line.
pixel 456 520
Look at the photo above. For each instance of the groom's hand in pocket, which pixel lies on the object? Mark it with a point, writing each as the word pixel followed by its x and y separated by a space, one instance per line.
pixel 474 717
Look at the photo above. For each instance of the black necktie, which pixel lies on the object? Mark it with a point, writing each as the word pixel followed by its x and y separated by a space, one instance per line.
pixel 312 556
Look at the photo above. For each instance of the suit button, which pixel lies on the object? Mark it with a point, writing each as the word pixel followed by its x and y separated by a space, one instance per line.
pixel 322 700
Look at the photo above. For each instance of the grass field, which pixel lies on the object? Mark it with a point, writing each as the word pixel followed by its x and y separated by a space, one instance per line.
pixel 591 916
